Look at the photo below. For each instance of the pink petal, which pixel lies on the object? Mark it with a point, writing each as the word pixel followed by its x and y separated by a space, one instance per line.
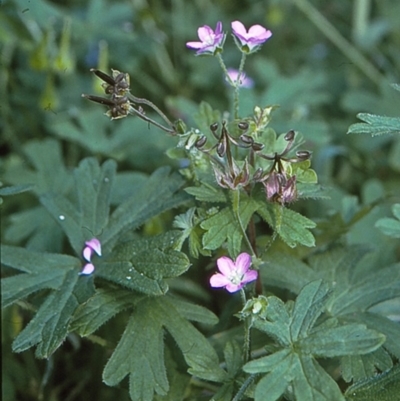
pixel 243 262
pixel 87 269
pixel 257 31
pixel 204 33
pixel 226 266
pixel 95 244
pixel 218 28
pixel 234 287
pixel 238 28
pixel 195 45
pixel 87 253
pixel 218 280
pixel 249 276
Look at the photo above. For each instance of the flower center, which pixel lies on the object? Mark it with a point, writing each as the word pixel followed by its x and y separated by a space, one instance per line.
pixel 235 278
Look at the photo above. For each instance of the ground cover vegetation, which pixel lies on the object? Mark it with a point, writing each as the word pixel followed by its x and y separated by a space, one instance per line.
pixel 200 200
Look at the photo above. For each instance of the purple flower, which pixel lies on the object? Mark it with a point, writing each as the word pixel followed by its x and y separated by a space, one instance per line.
pixel 94 245
pixel 250 40
pixel 244 81
pixel 211 41
pixel 280 189
pixel 233 274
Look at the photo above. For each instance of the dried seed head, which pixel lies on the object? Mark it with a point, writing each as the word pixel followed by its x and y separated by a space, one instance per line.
pixel 243 126
pixel 201 142
pixel 248 140
pixel 214 127
pixel 290 135
pixel 303 154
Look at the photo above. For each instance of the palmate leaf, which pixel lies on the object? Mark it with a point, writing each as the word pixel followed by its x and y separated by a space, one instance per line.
pixel 49 326
pixel 224 226
pixel 390 226
pixel 140 352
pixel 294 367
pixel 292 227
pixel 143 264
pixel 375 125
pixel 356 288
pixel 383 387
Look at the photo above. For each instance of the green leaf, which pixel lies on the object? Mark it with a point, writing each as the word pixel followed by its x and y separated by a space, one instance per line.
pixel 309 305
pixel 49 326
pixel 93 187
pixel 143 264
pixel 275 383
pixel 390 329
pixel 207 193
pixel 390 226
pixel 190 224
pixel 233 357
pixel 15 189
pixel 157 195
pixel 139 354
pixel 277 323
pixel 375 125
pixel 383 387
pixel 268 363
pixel 350 339
pixel 224 226
pixel 357 367
pixel 312 382
pixel 286 271
pixel 42 271
pixel 291 226
pixel 101 307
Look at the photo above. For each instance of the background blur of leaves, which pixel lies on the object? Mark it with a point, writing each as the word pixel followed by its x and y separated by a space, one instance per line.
pixel 48 47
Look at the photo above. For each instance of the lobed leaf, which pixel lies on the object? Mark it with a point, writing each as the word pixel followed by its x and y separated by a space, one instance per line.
pixel 139 354
pixel 375 125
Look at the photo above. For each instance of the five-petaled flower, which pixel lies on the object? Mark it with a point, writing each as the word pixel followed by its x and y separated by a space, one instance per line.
pixel 94 245
pixel 211 41
pixel 249 41
pixel 242 81
pixel 233 274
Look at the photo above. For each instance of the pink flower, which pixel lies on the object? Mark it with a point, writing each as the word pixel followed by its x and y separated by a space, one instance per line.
pixel 244 81
pixel 233 274
pixel 210 41
pixel 94 245
pixel 280 189
pixel 250 40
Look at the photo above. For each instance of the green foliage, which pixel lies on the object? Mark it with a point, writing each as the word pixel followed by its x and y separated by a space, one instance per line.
pixel 266 170
pixel 375 125
pixel 301 341
pixel 390 226
pixel 383 387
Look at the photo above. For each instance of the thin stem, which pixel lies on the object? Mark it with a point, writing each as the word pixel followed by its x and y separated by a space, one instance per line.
pixel 350 51
pixel 139 100
pixel 151 121
pixel 276 229
pixel 237 86
pixel 223 66
pixel 236 209
pixel 246 340
pixel 244 387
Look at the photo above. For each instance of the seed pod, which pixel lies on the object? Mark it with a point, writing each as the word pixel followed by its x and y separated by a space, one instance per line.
pixel 201 142
pixel 258 174
pixel 289 136
pixel 257 146
pixel 221 149
pixel 103 76
pixel 248 140
pixel 243 126
pixel 303 154
pixel 214 127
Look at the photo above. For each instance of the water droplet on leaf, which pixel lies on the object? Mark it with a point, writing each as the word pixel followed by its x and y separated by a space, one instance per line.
pixel 128 277
pixel 61 217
